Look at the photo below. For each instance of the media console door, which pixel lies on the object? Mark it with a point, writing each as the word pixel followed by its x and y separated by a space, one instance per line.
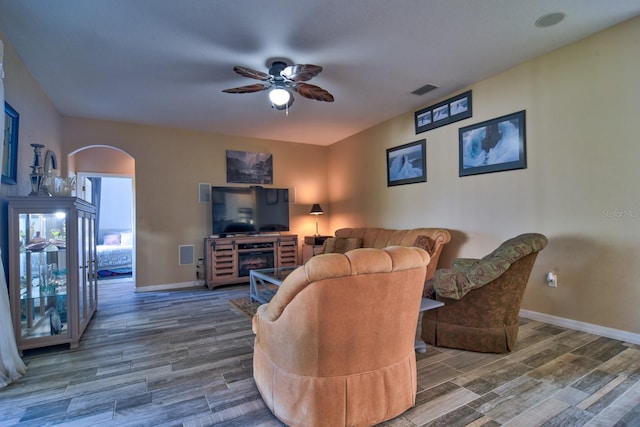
pixel 228 260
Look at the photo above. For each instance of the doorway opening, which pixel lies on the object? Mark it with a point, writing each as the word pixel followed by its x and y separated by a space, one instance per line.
pixel 113 197
pixel 105 177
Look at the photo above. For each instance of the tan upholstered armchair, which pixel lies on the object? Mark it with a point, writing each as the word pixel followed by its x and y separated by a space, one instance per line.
pixel 482 298
pixel 335 346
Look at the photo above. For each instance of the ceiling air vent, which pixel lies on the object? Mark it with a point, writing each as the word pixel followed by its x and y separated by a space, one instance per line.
pixel 424 89
pixel 550 20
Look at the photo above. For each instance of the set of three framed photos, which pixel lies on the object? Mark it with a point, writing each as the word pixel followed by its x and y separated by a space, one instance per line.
pixel 491 146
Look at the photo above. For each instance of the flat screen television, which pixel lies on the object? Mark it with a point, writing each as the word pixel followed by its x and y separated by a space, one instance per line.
pixel 249 210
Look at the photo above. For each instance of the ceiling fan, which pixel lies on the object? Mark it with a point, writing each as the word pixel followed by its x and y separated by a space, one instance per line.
pixel 282 78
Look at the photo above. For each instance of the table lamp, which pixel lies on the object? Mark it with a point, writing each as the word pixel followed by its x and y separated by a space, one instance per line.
pixel 316 210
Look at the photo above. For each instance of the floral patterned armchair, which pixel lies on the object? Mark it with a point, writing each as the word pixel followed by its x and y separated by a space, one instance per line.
pixel 482 298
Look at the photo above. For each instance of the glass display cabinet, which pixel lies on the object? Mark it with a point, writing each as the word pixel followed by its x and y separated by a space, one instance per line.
pixel 52 269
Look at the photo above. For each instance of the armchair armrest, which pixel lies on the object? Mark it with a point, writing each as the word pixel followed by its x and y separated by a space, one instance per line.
pixel 449 283
pixel 453 283
pixel 463 264
pixel 467 274
pixel 323 249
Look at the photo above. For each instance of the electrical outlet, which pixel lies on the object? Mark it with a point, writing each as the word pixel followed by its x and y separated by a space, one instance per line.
pixel 199 266
pixel 552 280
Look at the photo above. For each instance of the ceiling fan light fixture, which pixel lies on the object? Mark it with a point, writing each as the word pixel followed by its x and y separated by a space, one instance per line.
pixel 279 97
pixel 284 107
pixel 282 81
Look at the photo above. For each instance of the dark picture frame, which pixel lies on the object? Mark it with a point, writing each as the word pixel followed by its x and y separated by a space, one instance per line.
pixel 407 164
pixel 249 168
pixel 10 145
pixel 494 145
pixel 443 113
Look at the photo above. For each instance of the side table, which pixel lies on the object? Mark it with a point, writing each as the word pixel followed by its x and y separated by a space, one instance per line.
pixel 312 244
pixel 425 304
pixel 309 251
pixel 264 283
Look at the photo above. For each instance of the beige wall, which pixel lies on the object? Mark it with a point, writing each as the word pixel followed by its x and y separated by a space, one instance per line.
pixel 39 124
pixel 169 165
pixel 102 160
pixel 581 187
pixel 39 120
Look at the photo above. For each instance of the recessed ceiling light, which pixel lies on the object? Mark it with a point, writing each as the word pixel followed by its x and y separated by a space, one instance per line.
pixel 550 19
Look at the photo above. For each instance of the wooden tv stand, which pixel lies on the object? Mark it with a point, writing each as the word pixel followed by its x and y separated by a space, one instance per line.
pixel 228 260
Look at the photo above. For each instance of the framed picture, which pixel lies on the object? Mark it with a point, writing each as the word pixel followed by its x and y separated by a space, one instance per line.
pixel 493 146
pixel 10 145
pixel 249 168
pixel 443 113
pixel 407 164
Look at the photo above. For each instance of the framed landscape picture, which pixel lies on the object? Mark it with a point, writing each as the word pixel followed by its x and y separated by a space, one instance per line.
pixel 494 145
pixel 443 113
pixel 249 168
pixel 407 164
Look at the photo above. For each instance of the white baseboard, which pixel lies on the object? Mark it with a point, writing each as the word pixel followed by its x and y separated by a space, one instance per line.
pixel 171 286
pixel 603 331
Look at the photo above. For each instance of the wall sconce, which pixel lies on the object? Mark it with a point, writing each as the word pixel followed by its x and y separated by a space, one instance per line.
pixel 316 210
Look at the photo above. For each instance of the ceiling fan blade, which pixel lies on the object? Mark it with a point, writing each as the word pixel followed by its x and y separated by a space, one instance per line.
pixel 301 72
pixel 313 92
pixel 257 87
pixel 251 73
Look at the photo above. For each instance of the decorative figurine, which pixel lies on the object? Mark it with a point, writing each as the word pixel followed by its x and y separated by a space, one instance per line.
pixel 37 174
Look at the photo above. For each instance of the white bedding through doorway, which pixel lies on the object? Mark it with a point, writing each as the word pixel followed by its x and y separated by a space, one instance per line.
pixel 112 257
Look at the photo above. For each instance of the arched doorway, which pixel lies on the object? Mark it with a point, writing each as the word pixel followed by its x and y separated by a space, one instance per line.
pixel 106 177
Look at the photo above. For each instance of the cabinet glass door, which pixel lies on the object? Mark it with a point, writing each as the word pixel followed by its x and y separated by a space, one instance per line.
pixel 43 274
pixel 92 262
pixel 86 274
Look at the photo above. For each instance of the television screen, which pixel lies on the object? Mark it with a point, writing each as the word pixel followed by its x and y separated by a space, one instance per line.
pixel 252 210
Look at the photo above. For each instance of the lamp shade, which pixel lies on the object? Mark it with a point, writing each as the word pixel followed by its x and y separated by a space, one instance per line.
pixel 279 97
pixel 284 106
pixel 316 209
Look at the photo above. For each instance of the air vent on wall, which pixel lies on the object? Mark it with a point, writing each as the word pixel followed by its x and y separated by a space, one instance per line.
pixel 204 192
pixel 186 255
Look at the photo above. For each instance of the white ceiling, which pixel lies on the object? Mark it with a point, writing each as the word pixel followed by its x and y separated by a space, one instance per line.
pixel 166 62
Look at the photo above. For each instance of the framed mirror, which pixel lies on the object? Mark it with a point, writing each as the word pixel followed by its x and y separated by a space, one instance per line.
pixel 10 145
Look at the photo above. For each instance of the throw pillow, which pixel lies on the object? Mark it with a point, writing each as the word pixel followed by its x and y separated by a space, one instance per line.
pixel 429 290
pixel 111 239
pixel 426 243
pixel 340 245
pixel 127 238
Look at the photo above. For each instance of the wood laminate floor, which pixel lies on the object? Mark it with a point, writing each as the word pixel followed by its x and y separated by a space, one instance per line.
pixel 184 358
